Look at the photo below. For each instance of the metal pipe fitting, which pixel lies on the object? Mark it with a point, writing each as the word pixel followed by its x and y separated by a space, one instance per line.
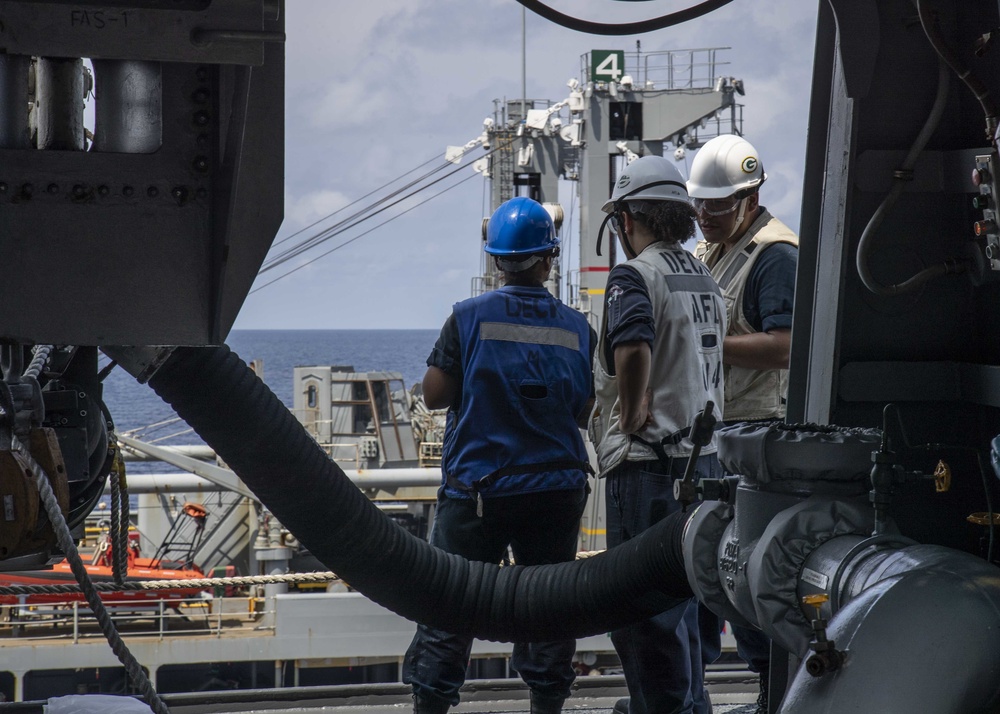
pixel 59 94
pixel 128 107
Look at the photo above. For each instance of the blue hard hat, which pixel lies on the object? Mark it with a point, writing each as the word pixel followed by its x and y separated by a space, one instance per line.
pixel 520 226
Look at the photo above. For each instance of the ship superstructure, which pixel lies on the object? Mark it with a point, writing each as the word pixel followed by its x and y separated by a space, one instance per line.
pixel 624 104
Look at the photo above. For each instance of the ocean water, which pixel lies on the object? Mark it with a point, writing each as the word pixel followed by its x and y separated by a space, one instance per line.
pixel 135 406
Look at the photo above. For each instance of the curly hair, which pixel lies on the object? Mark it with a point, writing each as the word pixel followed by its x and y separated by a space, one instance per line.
pixel 667 220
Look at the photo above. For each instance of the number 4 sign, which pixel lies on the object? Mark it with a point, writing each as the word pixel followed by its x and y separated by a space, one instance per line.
pixel 607 65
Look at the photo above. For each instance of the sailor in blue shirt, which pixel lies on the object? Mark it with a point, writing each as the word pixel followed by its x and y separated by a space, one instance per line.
pixel 513 368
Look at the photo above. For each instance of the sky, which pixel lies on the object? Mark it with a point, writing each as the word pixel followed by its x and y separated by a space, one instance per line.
pixel 375 89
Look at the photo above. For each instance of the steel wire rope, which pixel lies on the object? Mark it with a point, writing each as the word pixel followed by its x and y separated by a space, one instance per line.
pixel 360 235
pixel 155 426
pixel 360 216
pixel 66 543
pixel 358 200
pixel 319 237
pixel 626 28
pixel 316 238
pixel 158 439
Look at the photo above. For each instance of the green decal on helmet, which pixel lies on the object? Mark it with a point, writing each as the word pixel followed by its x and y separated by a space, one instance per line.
pixel 726 165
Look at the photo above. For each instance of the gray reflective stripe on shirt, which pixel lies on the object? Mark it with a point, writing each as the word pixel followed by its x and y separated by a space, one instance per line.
pixel 529 335
pixel 691 284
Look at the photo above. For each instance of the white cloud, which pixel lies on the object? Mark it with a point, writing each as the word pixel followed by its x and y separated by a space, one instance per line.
pixel 375 89
pixel 303 210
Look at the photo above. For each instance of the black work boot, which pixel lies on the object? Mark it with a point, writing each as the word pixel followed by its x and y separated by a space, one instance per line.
pixel 541 704
pixel 621 706
pixel 429 705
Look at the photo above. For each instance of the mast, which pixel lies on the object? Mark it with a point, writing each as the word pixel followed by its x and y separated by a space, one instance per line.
pixel 614 113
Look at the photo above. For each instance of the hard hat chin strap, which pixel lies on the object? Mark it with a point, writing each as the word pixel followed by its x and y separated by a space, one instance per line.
pixel 620 202
pixel 626 244
pixel 623 236
pixel 741 213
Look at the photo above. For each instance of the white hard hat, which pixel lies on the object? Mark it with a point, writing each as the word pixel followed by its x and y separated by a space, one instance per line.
pixel 724 166
pixel 648 178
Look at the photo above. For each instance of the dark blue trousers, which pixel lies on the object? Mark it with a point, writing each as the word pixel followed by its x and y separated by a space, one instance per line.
pixel 754 648
pixel 662 657
pixel 539 528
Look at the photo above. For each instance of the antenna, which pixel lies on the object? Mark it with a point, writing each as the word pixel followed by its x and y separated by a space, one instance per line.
pixel 524 65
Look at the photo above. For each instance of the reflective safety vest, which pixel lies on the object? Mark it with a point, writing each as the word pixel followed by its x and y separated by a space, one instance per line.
pixel 750 393
pixel 526 378
pixel 686 360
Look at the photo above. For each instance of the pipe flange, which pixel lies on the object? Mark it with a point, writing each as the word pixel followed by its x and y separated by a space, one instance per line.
pixel 702 536
pixel 775 565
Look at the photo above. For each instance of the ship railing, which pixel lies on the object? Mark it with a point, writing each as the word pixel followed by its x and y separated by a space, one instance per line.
pixel 429 454
pixel 73 620
pixel 484 284
pixel 581 300
pixel 344 453
pixel 695 68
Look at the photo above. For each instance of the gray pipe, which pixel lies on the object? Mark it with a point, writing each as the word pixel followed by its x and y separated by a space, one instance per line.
pixel 14 132
pixel 919 628
pixel 59 96
pixel 128 106
pixel 914 627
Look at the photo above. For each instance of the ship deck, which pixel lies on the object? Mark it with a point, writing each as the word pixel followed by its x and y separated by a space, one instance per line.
pixel 301 631
pixel 733 691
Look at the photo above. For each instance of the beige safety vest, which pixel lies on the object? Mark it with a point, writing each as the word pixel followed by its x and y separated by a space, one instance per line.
pixel 750 394
pixel 685 369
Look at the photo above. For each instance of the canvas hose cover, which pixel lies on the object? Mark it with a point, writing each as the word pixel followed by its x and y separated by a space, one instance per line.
pixel 702 535
pixel 773 452
pixel 774 566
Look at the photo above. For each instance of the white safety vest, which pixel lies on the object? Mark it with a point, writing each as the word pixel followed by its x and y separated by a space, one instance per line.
pixel 750 393
pixel 686 366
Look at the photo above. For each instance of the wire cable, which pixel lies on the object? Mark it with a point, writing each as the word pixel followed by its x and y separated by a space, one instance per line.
pixel 360 216
pixel 627 28
pixel 362 198
pixel 351 240
pixel 314 239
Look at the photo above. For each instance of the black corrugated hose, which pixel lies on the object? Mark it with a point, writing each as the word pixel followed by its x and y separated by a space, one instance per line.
pixel 253 432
